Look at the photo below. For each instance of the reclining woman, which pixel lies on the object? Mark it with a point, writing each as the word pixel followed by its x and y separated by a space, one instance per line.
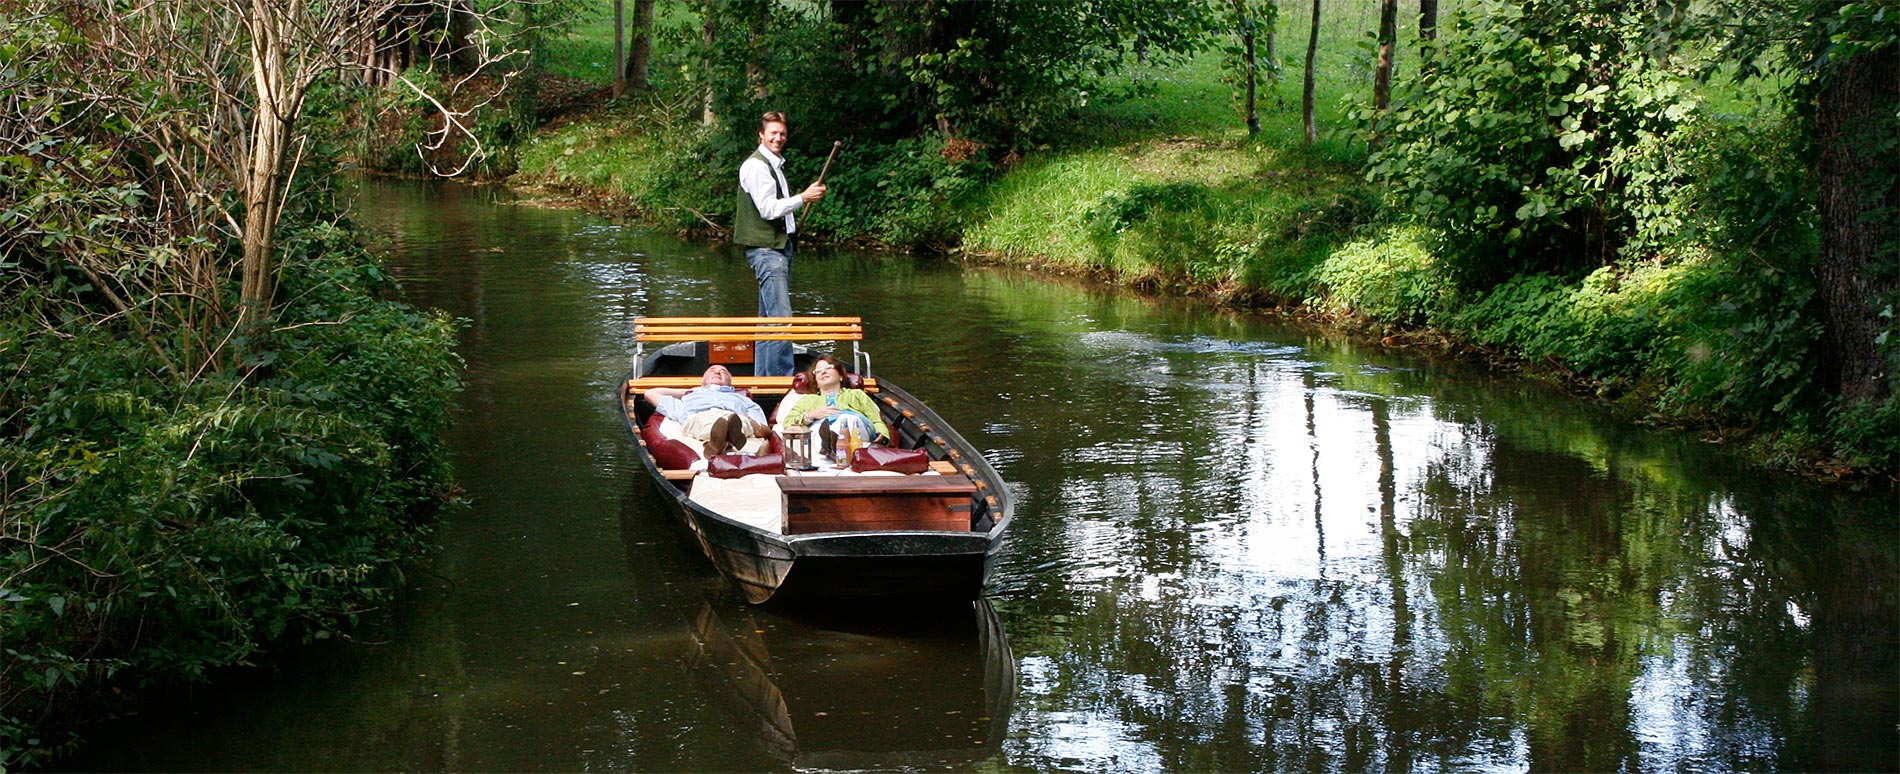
pixel 834 409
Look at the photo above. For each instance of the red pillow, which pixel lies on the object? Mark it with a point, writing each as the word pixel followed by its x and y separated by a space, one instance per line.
pixel 890 458
pixel 736 465
pixel 670 454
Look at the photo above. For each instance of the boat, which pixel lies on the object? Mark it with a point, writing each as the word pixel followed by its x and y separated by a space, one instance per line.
pixel 828 534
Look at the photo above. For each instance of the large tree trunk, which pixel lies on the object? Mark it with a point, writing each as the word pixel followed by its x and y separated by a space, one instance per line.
pixel 1859 196
pixel 1306 97
pixel 640 48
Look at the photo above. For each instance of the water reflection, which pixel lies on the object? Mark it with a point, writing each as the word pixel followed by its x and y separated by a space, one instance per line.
pixel 1238 546
pixel 1402 565
pixel 911 690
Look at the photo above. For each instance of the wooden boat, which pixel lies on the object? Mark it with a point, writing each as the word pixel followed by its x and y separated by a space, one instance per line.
pixel 825 535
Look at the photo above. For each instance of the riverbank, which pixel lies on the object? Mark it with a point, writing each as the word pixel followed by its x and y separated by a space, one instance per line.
pixel 1158 188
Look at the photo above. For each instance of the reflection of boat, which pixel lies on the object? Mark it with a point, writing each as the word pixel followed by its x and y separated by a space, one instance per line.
pixel 828 699
pixel 830 536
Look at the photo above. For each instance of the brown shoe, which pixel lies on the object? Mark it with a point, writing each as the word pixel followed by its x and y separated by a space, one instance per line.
pixel 736 434
pixel 720 436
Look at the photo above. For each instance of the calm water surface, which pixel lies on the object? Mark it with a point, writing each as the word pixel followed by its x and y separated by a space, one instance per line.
pixel 1238 547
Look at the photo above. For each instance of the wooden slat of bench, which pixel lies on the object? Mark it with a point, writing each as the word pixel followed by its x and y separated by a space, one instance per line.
pixel 748 328
pixel 724 320
pixel 763 385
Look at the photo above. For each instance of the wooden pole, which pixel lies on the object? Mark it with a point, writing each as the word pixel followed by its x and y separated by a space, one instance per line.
pixel 835 144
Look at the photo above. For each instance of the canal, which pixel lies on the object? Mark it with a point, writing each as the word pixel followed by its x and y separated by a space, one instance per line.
pixel 1238 546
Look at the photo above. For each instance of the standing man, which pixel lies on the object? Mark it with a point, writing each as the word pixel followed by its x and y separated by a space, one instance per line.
pixel 762 222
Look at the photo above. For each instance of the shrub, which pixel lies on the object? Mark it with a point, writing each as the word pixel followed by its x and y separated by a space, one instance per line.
pixel 1533 143
pixel 1390 277
pixel 158 529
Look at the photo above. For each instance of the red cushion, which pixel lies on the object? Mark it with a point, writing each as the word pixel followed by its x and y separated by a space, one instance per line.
pixel 736 465
pixel 890 458
pixel 670 454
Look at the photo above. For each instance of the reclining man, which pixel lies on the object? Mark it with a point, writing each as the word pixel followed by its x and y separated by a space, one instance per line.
pixel 713 413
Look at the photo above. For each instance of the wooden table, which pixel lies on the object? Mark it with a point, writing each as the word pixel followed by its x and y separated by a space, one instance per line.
pixel 852 503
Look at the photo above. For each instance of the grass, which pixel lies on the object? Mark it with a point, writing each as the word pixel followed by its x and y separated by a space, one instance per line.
pixel 1156 182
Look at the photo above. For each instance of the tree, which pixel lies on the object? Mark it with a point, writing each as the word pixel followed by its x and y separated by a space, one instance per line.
pixel 1382 69
pixel 1857 138
pixel 252 64
pixel 1249 21
pixel 640 50
pixel 1536 143
pixel 1306 95
pixel 1841 61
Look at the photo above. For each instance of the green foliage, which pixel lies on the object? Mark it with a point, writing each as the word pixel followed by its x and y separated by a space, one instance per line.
pixel 1391 277
pixel 169 511
pixel 158 530
pixel 901 193
pixel 1742 346
pixel 1533 142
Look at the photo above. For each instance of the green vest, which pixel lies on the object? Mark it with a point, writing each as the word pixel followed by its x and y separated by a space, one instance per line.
pixel 751 229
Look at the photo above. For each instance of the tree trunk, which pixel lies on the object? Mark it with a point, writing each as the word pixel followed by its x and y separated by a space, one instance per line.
pixel 640 49
pixel 270 132
pixel 1428 19
pixel 463 56
pixel 710 29
pixel 758 20
pixel 1306 98
pixel 1382 70
pixel 620 49
pixel 1273 30
pixel 1249 72
pixel 1859 194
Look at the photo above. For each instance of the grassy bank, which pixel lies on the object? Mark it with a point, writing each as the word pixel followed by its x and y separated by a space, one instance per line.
pixel 1155 183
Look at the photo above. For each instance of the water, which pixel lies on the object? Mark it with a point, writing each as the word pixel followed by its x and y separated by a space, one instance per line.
pixel 1239 546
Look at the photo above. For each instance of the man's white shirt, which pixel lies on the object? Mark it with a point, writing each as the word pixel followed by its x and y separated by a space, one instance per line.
pixel 763 181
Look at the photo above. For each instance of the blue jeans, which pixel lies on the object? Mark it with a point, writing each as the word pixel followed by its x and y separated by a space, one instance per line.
pixel 774 270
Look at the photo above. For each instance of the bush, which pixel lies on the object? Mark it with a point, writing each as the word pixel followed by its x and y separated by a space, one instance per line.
pixel 157 530
pixel 1533 144
pixel 1391 277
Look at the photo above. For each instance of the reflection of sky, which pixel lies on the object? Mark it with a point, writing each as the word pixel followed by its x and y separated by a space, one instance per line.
pixel 1237 570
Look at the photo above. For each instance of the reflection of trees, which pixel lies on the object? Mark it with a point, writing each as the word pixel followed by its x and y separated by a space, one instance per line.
pixel 1526 590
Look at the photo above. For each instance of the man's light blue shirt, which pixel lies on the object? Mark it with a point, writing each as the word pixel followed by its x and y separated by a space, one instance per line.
pixel 707 397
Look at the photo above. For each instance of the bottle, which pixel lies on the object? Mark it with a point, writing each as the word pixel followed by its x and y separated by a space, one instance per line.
pixel 850 444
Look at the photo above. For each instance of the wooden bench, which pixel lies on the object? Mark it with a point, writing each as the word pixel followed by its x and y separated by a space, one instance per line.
pixel 757 385
pixel 852 503
pixel 675 329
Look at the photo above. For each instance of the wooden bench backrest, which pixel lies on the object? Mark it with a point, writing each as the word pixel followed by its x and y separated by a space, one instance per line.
pixel 671 329
pixel 760 385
